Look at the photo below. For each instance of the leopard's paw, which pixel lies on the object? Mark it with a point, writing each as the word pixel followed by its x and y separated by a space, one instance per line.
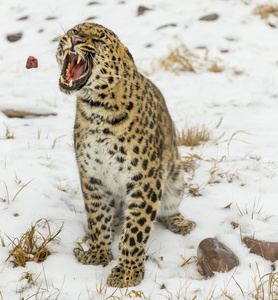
pixel 123 276
pixel 95 257
pixel 178 224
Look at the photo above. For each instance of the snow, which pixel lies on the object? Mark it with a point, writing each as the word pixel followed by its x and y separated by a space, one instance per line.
pixel 240 168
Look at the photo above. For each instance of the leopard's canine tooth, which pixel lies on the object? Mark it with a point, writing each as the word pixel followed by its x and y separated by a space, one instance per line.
pixel 62 79
pixel 70 83
pixel 66 52
pixel 78 59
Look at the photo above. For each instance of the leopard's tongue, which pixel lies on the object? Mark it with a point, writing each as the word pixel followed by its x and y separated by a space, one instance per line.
pixel 75 72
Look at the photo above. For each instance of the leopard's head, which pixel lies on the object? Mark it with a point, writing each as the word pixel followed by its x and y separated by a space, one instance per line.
pixel 91 55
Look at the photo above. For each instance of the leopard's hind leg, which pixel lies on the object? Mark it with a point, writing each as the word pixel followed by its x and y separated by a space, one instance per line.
pixel 172 194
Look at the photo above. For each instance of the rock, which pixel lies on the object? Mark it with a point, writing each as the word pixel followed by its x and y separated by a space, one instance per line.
pixel 10 113
pixel 166 25
pixel 91 18
pixel 268 250
pixel 214 256
pixel 14 37
pixel 141 10
pixel 210 17
pixel 93 3
pixel 50 18
pixel 23 18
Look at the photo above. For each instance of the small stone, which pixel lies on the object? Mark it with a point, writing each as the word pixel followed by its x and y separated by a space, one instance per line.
pixel 166 25
pixel 214 256
pixel 272 25
pixel 14 37
pixel 210 17
pixel 142 9
pixel 268 250
pixel 50 18
pixel 23 18
pixel 91 18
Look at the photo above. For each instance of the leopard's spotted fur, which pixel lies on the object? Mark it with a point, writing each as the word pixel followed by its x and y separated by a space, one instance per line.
pixel 126 152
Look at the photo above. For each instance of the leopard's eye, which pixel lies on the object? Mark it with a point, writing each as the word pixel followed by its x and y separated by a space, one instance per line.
pixel 100 42
pixel 74 31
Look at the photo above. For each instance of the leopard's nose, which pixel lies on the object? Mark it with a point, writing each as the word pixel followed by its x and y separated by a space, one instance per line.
pixel 75 40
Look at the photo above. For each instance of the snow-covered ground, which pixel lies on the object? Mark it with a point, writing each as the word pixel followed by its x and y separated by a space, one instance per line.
pixel 241 168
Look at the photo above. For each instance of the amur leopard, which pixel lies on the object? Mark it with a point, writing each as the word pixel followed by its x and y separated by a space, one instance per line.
pixel 126 150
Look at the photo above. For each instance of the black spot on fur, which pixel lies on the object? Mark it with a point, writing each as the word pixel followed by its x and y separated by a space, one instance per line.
pixel 136 149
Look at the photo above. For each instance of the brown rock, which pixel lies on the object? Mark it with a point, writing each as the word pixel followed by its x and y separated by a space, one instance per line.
pixel 214 256
pixel 210 17
pixel 10 113
pixel 50 18
pixel 14 37
pixel 166 25
pixel 91 18
pixel 268 250
pixel 23 18
pixel 141 10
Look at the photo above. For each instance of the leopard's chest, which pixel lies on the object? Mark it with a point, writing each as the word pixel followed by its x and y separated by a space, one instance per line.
pixel 101 156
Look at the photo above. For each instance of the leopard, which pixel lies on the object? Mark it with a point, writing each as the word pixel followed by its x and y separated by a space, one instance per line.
pixel 126 150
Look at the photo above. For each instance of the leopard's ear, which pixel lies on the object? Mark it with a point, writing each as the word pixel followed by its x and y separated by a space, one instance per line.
pixel 129 54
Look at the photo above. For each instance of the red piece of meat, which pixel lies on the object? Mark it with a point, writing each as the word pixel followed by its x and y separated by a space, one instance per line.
pixel 32 62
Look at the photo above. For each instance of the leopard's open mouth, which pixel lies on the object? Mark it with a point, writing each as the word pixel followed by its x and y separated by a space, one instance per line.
pixel 75 72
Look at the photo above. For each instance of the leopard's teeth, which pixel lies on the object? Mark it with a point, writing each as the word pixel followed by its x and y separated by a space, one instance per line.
pixel 78 59
pixel 70 83
pixel 62 79
pixel 66 53
pixel 68 68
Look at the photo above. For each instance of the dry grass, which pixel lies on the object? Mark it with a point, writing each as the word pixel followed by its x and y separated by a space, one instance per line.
pixel 217 173
pixel 79 250
pixel 9 133
pixel 266 286
pixel 56 140
pixel 33 245
pixel 181 59
pixel 252 210
pixel 189 165
pixel 7 194
pixel 265 10
pixel 3 244
pixel 193 136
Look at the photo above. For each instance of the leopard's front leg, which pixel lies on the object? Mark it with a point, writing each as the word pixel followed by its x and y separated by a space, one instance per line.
pixel 142 204
pixel 100 210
